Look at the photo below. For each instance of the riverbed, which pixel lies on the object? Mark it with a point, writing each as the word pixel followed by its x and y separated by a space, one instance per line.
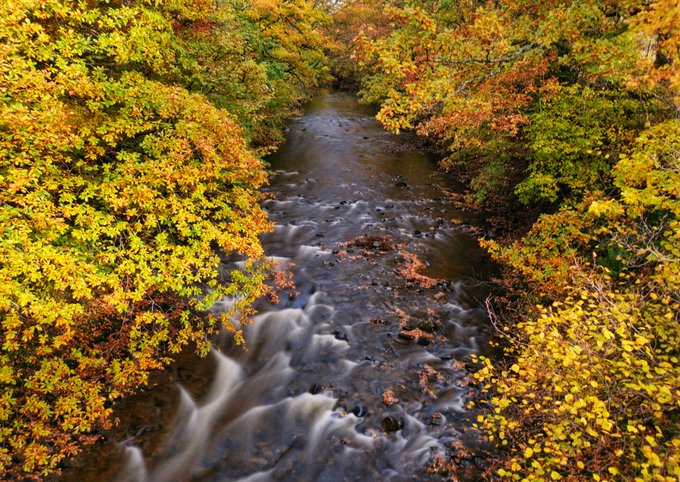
pixel 362 371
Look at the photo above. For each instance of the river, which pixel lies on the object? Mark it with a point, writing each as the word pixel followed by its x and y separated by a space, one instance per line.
pixel 362 372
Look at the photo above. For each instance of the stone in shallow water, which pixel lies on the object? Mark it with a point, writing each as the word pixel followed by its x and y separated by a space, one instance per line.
pixel 392 424
pixel 359 411
pixel 436 419
pixel 427 326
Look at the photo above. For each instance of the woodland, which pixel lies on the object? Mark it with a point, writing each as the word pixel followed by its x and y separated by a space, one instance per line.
pixel 132 136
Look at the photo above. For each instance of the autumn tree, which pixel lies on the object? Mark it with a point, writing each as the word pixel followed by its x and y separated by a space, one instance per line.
pixel 474 78
pixel 127 171
pixel 570 107
pixel 366 18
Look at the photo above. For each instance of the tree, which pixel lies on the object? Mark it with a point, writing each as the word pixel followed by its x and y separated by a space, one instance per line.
pixel 127 170
pixel 570 107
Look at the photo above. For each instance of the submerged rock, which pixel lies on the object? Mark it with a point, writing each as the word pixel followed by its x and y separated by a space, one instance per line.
pixel 392 424
pixel 360 411
pixel 428 326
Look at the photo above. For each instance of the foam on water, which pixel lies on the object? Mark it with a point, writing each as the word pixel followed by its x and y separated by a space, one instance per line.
pixel 134 469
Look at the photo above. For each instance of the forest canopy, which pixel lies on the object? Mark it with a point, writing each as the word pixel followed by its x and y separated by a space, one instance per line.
pixel 571 110
pixel 130 136
pixel 131 142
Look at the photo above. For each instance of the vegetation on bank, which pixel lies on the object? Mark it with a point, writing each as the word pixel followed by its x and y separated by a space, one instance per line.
pixel 129 140
pixel 130 136
pixel 570 108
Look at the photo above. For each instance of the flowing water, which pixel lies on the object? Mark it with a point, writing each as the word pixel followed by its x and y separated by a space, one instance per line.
pixel 361 373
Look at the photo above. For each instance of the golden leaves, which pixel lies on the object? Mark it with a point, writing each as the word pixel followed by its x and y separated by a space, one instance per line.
pixel 586 375
pixel 117 185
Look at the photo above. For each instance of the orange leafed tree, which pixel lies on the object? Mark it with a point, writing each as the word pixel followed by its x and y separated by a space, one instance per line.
pixel 570 108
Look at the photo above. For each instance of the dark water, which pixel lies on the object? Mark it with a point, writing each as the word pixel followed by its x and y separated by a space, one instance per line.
pixel 332 388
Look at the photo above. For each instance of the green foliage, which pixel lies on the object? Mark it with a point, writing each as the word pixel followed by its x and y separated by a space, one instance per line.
pixel 637 230
pixel 125 174
pixel 491 176
pixel 285 40
pixel 575 138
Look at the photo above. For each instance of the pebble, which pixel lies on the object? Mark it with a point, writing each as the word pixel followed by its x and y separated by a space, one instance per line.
pixel 315 388
pixel 360 411
pixel 392 424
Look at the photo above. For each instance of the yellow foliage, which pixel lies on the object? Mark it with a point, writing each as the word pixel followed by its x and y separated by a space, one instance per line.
pixel 597 387
pixel 596 379
pixel 124 176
